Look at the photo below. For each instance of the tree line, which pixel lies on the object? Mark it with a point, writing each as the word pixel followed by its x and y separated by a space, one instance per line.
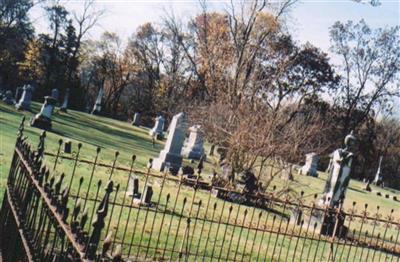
pixel 259 95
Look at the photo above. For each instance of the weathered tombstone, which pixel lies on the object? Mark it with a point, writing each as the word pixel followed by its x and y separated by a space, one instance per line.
pixel 334 193
pixel 339 177
pixel 173 147
pixel 378 175
pixel 64 105
pixel 310 167
pixel 158 129
pixel 25 101
pixel 133 187
pixel 194 148
pixel 331 222
pixel 97 105
pixel 147 195
pixel 43 118
pixel 136 119
pixel 8 98
pixel 68 147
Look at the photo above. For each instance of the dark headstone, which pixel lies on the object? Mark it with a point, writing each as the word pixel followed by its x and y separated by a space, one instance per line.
pixel 68 147
pixel 147 195
pixel 378 193
pixel 187 170
pixel 387 196
pixel 8 98
pixel 368 187
pixel 249 180
pixel 135 186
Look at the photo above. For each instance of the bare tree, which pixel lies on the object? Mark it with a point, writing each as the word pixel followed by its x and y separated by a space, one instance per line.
pixel 370 68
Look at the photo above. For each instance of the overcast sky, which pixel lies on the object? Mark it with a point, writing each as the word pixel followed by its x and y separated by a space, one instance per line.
pixel 308 21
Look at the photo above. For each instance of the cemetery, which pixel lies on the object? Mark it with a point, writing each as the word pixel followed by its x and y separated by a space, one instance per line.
pixel 241 131
pixel 149 190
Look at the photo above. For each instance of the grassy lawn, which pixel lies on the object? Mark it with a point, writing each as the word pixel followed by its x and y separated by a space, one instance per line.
pixel 111 136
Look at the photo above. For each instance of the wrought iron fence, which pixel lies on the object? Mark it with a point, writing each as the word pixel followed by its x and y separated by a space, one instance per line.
pixel 63 207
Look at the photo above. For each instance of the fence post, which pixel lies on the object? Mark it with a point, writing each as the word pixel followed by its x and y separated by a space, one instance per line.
pixel 98 224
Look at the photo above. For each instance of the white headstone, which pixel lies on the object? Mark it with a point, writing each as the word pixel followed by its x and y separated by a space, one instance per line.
pixel 97 104
pixel 158 129
pixel 25 101
pixel 339 176
pixel 378 175
pixel 310 167
pixel 194 148
pixel 172 151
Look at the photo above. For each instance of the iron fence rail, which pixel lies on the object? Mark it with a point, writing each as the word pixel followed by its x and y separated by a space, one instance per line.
pixel 86 210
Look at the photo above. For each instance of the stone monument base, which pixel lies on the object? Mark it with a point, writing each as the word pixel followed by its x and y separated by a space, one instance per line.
pixel 325 222
pixel 174 161
pixel 41 122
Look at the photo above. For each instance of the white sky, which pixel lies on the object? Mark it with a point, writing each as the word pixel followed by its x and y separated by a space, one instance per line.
pixel 309 20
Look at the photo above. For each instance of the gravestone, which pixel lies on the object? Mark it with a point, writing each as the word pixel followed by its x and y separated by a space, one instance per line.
pixel 68 147
pixel 133 187
pixel 331 221
pixel 97 105
pixel 158 129
pixel 136 119
pixel 378 175
pixel 368 187
pixel 310 167
pixel 194 148
pixel 43 118
pixel 339 176
pixel 64 105
pixel 55 94
pixel 172 151
pixel 8 98
pixel 147 195
pixel 25 101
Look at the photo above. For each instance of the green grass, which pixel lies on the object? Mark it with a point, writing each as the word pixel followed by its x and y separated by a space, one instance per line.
pixel 111 136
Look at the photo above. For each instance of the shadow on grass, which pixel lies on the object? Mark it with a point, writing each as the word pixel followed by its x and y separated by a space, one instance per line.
pixel 108 137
